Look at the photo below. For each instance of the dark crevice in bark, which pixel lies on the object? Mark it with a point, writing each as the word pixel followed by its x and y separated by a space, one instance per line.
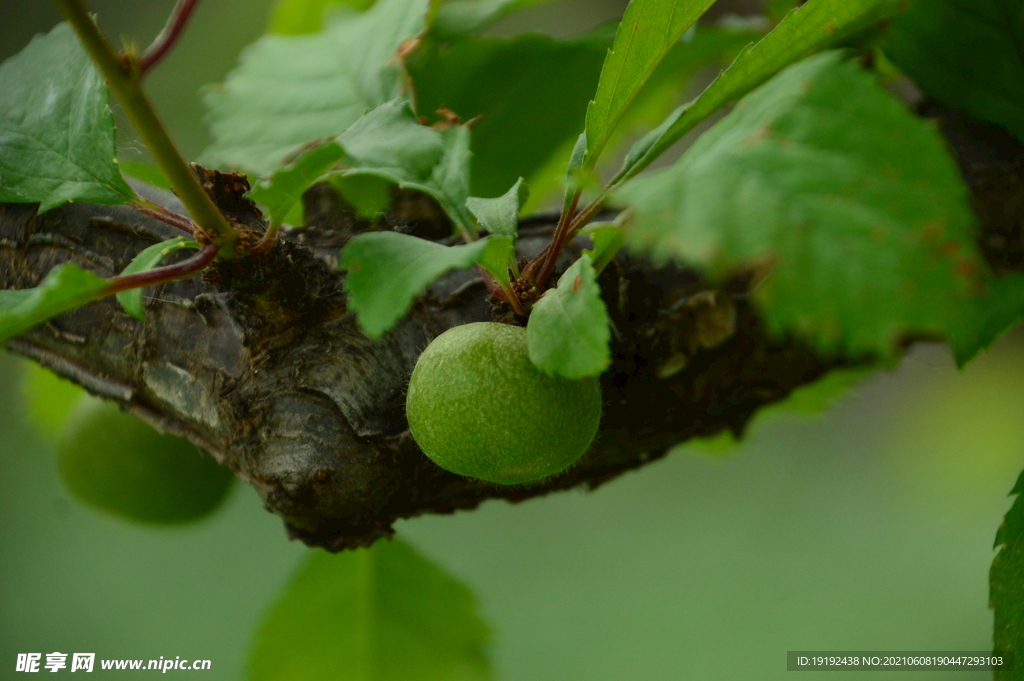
pixel 260 362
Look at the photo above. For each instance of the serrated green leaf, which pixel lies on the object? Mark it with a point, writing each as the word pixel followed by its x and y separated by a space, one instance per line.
pixel 48 399
pixel 966 53
pixel 390 136
pixel 387 270
pixel 295 17
pixel 131 300
pixel 864 240
pixel 64 288
pixel 462 17
pixel 500 216
pixel 568 332
pixel 648 30
pixel 290 90
pixel 511 83
pixel 1006 584
pixel 369 196
pixel 57 138
pixel 813 26
pixel 380 614
pixel 285 187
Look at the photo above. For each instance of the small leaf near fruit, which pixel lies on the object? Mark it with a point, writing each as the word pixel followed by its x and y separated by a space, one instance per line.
pixel 478 407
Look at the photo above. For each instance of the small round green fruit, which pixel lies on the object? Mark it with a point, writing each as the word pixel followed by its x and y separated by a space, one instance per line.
pixel 116 463
pixel 478 407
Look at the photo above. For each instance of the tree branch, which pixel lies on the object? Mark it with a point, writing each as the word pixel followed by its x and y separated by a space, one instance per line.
pixel 261 363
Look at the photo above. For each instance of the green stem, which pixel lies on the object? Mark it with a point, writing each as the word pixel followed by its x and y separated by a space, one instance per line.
pixel 124 83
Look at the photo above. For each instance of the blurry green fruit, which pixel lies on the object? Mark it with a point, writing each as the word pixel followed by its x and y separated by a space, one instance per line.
pixel 115 462
pixel 478 407
pixel 48 399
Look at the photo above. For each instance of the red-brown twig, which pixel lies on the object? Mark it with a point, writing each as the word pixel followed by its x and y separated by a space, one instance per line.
pixel 160 275
pixel 162 214
pixel 163 43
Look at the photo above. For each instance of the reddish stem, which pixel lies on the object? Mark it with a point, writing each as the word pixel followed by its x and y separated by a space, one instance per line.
pixel 175 26
pixel 549 256
pixel 161 275
pixel 169 217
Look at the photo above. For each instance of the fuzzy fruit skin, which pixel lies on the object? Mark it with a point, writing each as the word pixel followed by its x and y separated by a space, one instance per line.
pixel 114 462
pixel 478 407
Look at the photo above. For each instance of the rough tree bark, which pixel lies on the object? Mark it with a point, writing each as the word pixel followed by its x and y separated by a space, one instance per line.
pixel 260 363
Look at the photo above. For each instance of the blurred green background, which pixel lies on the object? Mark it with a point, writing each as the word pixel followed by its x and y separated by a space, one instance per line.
pixel 869 527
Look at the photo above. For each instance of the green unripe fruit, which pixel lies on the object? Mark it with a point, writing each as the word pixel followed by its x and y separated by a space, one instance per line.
pixel 115 462
pixel 478 407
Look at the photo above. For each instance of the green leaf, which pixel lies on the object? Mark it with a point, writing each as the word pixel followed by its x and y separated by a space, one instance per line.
pixel 290 90
pixel 608 238
pixel 663 92
pixel 497 257
pixel 447 180
pixel 48 399
pixel 369 196
pixel 511 84
pixel 391 136
pixel 295 17
pixel 64 288
pixel 500 216
pixel 461 17
pixel 57 138
pixel 966 53
pixel 573 171
pixel 648 30
pixel 387 270
pixel 813 26
pixel 568 332
pixel 284 189
pixel 1006 583
pixel 1001 309
pixel 860 240
pixel 378 614
pixel 131 300
pixel 147 172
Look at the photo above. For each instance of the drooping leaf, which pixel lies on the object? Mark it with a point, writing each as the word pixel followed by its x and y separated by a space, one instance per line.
pixel 966 53
pixel 811 27
pixel 285 187
pixel 378 614
pixel 290 90
pixel 530 92
pixel 568 332
pixel 64 288
pixel 859 240
pixel 295 17
pixel 57 137
pixel 500 216
pixel 48 399
pixel 387 270
pixel 1006 584
pixel 131 300
pixel 447 180
pixel 648 30
pixel 462 17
